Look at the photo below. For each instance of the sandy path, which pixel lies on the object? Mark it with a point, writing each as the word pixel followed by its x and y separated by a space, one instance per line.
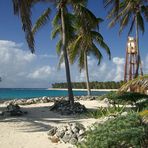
pixel 30 131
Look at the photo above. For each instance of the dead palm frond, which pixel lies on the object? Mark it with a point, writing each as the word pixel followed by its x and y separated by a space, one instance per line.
pixel 139 82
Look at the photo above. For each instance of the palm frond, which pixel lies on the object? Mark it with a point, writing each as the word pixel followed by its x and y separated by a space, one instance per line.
pixel 84 13
pixel 99 39
pixel 115 3
pixel 74 48
pixel 56 31
pixel 42 20
pixel 144 10
pixel 113 22
pixel 124 21
pixel 96 52
pixel 140 22
pixel 141 81
pixel 106 48
pixel 81 60
pixel 96 35
pixel 132 26
pixel 23 8
pixel 59 47
pixel 56 19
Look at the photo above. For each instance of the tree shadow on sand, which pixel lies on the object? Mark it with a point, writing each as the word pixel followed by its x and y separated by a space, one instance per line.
pixel 40 119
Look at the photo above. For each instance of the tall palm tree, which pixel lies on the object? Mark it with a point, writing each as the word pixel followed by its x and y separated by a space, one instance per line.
pixel 23 8
pixel 84 42
pixel 134 12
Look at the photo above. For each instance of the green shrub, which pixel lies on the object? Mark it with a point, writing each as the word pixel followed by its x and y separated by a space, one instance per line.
pixel 142 104
pixel 103 111
pixel 128 98
pixel 109 95
pixel 124 131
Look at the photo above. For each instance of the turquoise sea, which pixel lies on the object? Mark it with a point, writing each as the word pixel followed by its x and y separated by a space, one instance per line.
pixel 8 93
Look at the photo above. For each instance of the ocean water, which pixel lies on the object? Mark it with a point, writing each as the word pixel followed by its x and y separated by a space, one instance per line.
pixel 32 93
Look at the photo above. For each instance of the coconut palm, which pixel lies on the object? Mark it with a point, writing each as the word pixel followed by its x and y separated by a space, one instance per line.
pixel 87 35
pixel 134 12
pixel 23 8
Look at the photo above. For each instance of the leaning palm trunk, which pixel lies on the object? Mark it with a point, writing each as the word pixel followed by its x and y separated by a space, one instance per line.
pixel 138 52
pixel 86 72
pixel 70 93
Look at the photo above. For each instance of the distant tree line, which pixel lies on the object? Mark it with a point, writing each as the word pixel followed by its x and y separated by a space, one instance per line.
pixel 93 85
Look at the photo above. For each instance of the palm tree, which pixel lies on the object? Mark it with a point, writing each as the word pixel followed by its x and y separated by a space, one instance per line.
pixel 23 8
pixel 84 41
pixel 133 11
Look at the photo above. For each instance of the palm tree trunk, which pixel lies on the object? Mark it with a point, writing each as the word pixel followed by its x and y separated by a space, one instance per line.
pixel 70 92
pixel 138 51
pixel 87 75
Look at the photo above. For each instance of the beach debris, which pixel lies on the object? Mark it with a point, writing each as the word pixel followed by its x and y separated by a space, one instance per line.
pixel 70 133
pixel 64 108
pixel 13 110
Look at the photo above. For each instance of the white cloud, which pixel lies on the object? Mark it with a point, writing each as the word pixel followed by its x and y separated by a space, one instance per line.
pixel 118 73
pixel 110 71
pixel 47 56
pixel 96 72
pixel 118 60
pixel 41 73
pixel 20 68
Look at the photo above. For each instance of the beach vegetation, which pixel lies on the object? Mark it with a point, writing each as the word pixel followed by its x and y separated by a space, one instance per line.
pixel 93 85
pixel 106 111
pixel 123 131
pixel 137 100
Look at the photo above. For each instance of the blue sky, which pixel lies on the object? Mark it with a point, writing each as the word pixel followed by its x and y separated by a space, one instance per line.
pixel 19 68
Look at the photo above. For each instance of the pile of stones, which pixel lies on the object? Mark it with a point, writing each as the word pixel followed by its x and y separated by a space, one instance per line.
pixel 12 110
pixel 72 133
pixel 30 101
pixel 46 99
pixel 65 108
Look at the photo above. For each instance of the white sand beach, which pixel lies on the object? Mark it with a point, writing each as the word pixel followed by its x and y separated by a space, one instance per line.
pixel 30 130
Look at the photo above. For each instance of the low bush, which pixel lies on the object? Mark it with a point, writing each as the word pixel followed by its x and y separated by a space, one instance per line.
pixel 142 104
pixel 138 99
pixel 103 111
pixel 124 131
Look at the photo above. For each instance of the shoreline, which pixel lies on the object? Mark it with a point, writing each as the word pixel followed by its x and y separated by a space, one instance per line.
pixel 30 130
pixel 44 99
pixel 78 89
